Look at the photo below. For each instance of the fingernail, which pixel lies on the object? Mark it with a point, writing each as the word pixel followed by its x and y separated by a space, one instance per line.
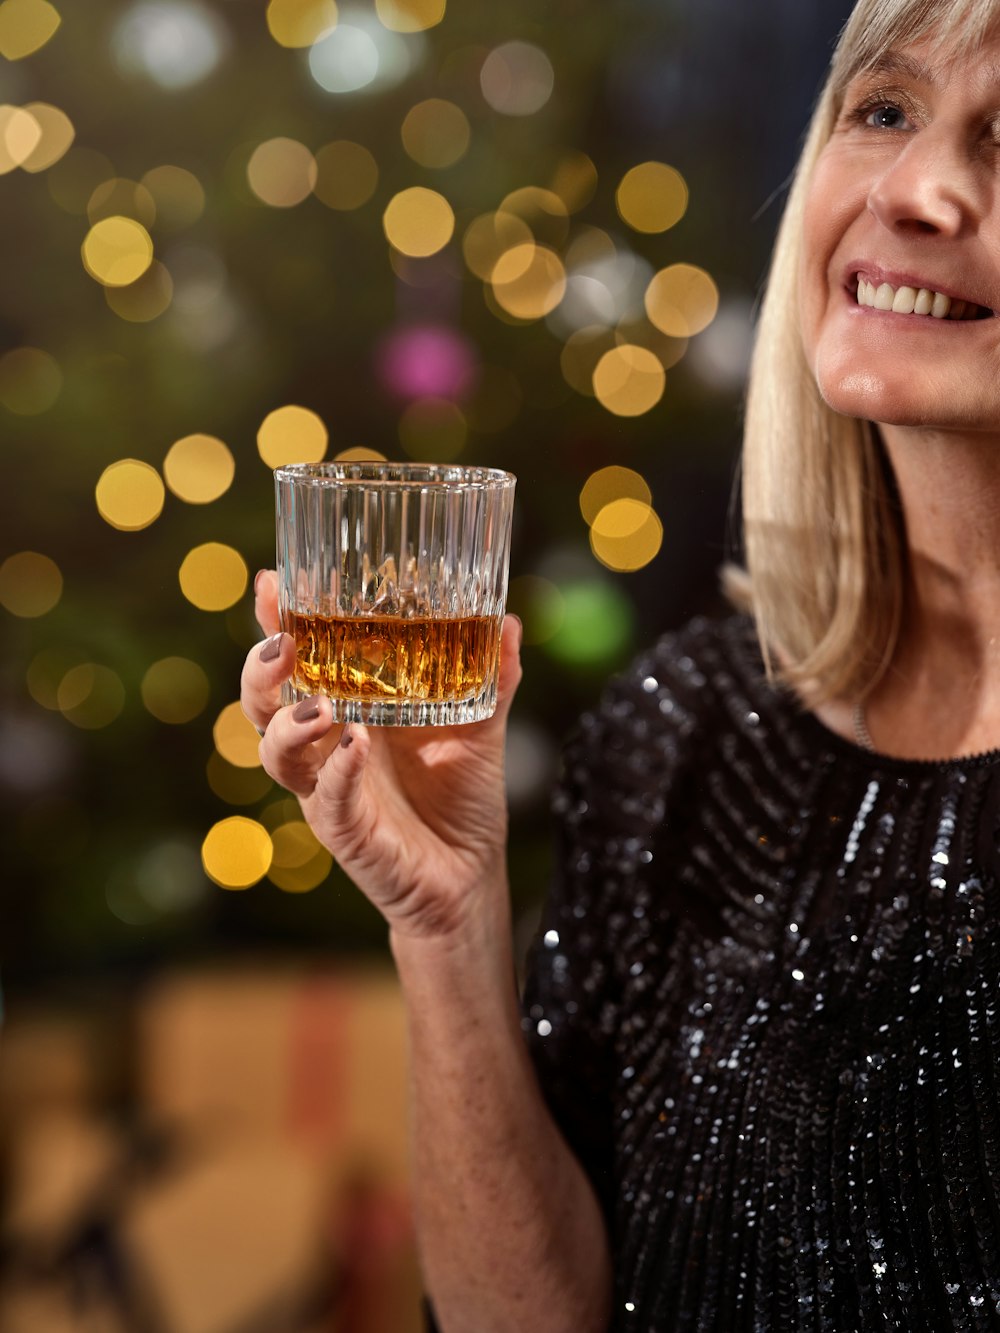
pixel 520 627
pixel 307 710
pixel 347 739
pixel 271 648
pixel 257 578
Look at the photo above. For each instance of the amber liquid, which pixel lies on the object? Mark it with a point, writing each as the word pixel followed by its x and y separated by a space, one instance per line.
pixel 394 658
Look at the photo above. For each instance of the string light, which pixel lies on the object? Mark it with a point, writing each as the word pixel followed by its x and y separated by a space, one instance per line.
pixel 129 495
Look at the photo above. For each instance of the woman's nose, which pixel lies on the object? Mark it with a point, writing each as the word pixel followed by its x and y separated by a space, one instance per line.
pixel 928 187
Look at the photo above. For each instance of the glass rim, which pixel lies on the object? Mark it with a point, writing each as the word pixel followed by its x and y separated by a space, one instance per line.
pixel 369 472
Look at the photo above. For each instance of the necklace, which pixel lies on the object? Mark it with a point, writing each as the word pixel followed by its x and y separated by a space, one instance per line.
pixel 861 733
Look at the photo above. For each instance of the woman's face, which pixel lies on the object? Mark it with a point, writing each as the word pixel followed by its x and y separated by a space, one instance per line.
pixel 900 280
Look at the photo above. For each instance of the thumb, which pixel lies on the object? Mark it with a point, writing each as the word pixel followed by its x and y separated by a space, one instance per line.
pixel 511 635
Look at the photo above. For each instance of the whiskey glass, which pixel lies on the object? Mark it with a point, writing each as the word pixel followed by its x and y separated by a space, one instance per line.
pixel 392 580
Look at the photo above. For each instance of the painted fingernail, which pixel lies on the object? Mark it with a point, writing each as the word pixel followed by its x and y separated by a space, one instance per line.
pixel 306 711
pixel 271 648
pixel 257 578
pixel 347 739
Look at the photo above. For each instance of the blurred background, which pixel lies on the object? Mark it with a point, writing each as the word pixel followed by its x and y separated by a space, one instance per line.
pixel 238 234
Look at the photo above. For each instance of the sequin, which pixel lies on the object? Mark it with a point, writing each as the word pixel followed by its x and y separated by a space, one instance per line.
pixel 782 1073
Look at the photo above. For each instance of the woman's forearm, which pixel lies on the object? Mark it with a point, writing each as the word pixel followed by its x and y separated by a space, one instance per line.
pixel 511 1236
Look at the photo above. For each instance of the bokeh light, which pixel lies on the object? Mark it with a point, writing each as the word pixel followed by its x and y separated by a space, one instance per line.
pixel 543 211
pixel 117 251
pixel 629 380
pixel 291 434
pixel 90 696
pixel 489 236
pixel 282 172
pixel 176 43
pixel 299 862
pixel 45 673
pixel 517 79
pixel 175 690
pixel 581 354
pixel 30 584
pixel 346 175
pixel 145 299
pixel 359 453
pixel 213 577
pixel 410 15
pixel 418 222
pixel 199 468
pixel 130 495
pixel 299 23
pixel 682 300
pixel 626 535
pixel 575 181
pixel 609 484
pixel 118 196
pixel 427 361
pixel 436 133
pixel 20 137
pixel 25 27
pixel 539 604
pixel 603 290
pixel 596 624
pixel 236 737
pixel 236 785
pixel 433 430
pixel 178 195
pixel 236 852
pixel 362 54
pixel 528 281
pixel 55 140
pixel 652 197
pixel 30 381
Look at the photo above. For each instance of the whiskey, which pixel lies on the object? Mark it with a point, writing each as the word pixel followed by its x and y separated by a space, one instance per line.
pixel 372 657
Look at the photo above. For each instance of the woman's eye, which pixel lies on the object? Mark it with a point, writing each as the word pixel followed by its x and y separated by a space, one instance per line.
pixel 886 117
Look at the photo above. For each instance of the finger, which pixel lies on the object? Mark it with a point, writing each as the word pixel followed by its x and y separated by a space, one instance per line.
pixel 298 742
pixel 268 665
pixel 265 591
pixel 511 635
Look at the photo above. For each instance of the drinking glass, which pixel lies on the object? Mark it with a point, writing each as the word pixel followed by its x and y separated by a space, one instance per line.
pixel 392 579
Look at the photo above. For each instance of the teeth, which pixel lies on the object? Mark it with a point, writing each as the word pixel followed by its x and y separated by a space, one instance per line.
pixel 913 301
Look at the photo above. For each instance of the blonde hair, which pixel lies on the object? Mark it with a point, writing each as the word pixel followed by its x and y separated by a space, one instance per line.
pixel 823 535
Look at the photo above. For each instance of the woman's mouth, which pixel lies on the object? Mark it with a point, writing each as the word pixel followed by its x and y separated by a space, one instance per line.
pixel 917 301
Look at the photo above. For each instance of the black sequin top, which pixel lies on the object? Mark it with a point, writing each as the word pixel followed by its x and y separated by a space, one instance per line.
pixel 764 1008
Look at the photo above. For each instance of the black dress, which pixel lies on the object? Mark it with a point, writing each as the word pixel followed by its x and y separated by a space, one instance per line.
pixel 765 1008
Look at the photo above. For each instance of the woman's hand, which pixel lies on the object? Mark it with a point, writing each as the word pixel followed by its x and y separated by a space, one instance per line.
pixel 416 816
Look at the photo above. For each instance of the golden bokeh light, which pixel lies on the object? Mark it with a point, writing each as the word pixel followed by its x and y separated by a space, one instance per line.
pixel 144 300
pixel 117 251
pixel 199 468
pixel 418 222
pixel 609 484
pixel 300 23
pixel 433 430
pixel 90 696
pixel 119 197
pixel 652 197
pixel 130 495
pixel 20 136
pixel 436 133
pixel 542 210
pixel 300 861
pixel 30 381
pixel 540 605
pixel 575 181
pixel 25 27
pixel 682 300
pixel 236 852
pixel 213 577
pixel 55 140
pixel 30 584
pixel 236 737
pixel 359 454
pixel 234 785
pixel 490 235
pixel 346 175
pixel 45 673
pixel 76 176
pixel 626 535
pixel 175 690
pixel 282 172
pixel 410 15
pixel 667 350
pixel 528 281
pixel 629 380
pixel 177 193
pixel 292 434
pixel 580 356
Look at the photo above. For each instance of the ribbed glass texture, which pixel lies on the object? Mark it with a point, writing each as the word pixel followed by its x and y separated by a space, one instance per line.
pixel 392 581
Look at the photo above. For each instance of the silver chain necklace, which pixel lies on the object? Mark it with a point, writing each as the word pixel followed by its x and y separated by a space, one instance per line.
pixel 861 733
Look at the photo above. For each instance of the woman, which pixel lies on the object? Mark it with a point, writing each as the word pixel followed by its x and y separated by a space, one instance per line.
pixel 763 1015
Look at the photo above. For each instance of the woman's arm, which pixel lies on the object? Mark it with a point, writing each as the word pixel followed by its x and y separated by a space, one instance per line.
pixel 510 1232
